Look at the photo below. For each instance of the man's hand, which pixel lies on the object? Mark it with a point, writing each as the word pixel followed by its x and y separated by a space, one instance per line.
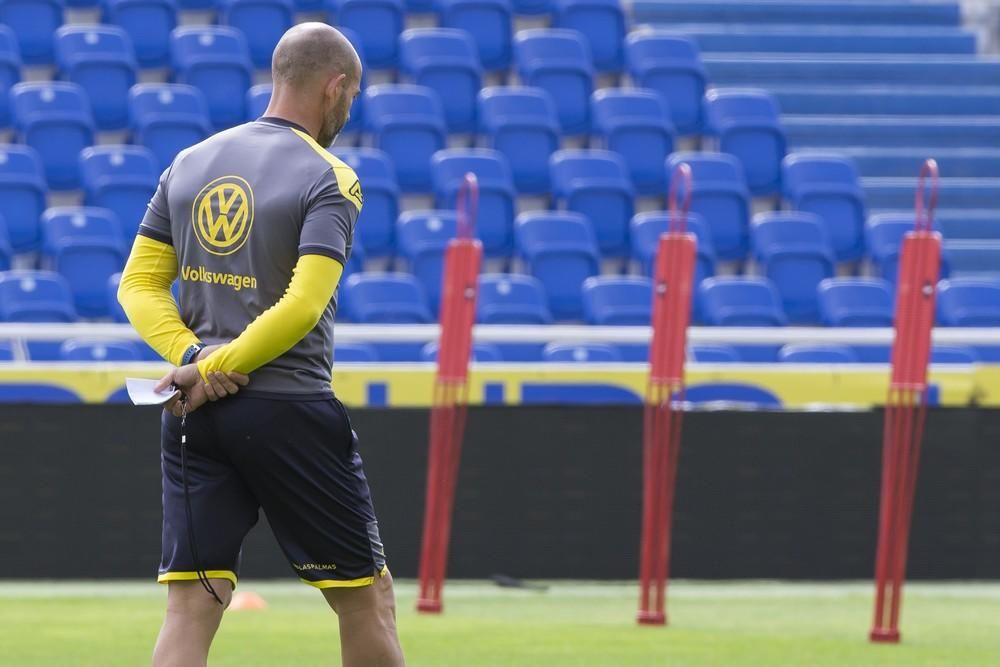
pixel 197 392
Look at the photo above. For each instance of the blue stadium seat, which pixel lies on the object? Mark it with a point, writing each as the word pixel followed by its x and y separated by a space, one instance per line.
pixel 354 353
pixel 22 195
pixel 102 61
pixel 356 119
pixel 596 184
pixel 376 225
pixel 748 125
pixel 796 12
pixel 99 351
pixel 522 124
pixel 855 302
pixel 86 247
pixel 817 354
pixel 445 60
pixel 54 119
pixel 377 22
pixel 670 65
pixel 6 252
pixel 115 308
pixel 197 5
pixel 489 22
pixel 532 7
pixel 968 302
pixel 719 195
pixel 636 124
pixel 149 24
pixel 884 233
pixel 385 298
pixel 973 259
pixel 406 122
pixel 35 23
pixel 420 6
pixel 262 22
pixel 216 60
pixel 560 250
pixel 602 24
pixel 120 178
pixel 423 237
pixel 479 352
pixel 6 351
pixel 558 61
pixel 35 296
pixel 581 353
pixel 794 251
pixel 258 97
pixel 511 299
pixel 495 222
pixel 645 230
pixel 356 260
pixel 714 354
pixel 167 118
pixel 827 185
pixel 617 300
pixel 953 354
pixel 741 302
pixel 10 70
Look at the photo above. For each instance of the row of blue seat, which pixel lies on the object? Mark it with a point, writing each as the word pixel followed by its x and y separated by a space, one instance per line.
pixel 379 24
pixel 795 12
pixel 885 98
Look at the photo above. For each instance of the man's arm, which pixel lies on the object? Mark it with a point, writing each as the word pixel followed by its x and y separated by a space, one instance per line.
pixel 144 293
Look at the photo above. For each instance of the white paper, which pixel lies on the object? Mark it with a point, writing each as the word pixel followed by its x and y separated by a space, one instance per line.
pixel 142 393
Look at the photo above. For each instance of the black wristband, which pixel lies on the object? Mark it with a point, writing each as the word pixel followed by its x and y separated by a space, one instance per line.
pixel 191 353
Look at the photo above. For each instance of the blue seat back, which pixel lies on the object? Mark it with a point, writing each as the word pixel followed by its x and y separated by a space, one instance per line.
pixel 22 195
pixel 521 123
pixel 395 298
pixel 258 97
pixel 6 252
pixel 478 352
pixel 617 300
pixel 407 122
pixel 719 194
pixel 558 61
pixel 216 60
pixel 120 178
pixel 66 224
pixel 263 22
pixel 445 60
pixel 10 70
pixel 795 252
pixel 101 60
pixel 35 23
pixel 670 65
pixel 511 299
pixel 149 24
pixel 744 302
pixel 714 354
pixel 596 183
pixel 884 233
pixel 495 220
pixel 99 351
pixel 377 22
pixel 748 126
pixel 6 351
pixel 602 24
pixel 968 302
pixel 376 225
pixel 560 249
pixel 354 353
pixel 54 118
pixel 817 354
pixel 855 302
pixel 636 124
pixel 167 118
pixel 953 354
pixel 581 353
pixel 828 186
pixel 35 296
pixel 489 22
pixel 423 237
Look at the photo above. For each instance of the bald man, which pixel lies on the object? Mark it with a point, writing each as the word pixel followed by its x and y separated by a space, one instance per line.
pixel 257 222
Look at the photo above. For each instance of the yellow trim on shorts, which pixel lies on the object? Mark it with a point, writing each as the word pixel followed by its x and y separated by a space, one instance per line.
pixel 346 583
pixel 167 577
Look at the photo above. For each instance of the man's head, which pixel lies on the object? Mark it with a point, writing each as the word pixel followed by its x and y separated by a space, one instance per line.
pixel 317 70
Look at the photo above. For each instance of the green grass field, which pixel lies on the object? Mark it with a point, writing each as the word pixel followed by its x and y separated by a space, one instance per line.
pixel 572 624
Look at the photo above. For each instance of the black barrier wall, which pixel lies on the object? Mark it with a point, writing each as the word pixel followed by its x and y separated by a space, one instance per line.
pixel 543 492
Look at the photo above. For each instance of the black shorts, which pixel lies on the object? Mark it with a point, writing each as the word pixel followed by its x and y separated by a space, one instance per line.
pixel 295 459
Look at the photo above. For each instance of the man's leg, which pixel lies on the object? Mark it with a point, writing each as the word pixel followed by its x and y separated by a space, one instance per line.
pixel 193 616
pixel 367 616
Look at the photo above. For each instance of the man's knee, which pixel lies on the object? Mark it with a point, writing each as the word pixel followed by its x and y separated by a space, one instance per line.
pixel 378 597
pixel 191 599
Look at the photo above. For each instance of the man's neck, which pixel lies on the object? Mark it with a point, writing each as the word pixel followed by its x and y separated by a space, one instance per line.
pixel 288 113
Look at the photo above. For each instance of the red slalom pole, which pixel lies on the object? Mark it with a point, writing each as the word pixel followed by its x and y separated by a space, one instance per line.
pixel 663 411
pixel 460 286
pixel 906 406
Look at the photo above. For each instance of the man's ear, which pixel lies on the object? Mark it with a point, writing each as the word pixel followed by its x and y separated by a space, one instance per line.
pixel 335 87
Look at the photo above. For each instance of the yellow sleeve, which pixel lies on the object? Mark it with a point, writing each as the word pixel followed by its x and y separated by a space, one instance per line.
pixel 144 293
pixel 280 327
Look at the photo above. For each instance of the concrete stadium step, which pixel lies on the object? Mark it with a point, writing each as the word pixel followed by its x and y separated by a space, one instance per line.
pixel 969 259
pixel 751 69
pixel 891 131
pixel 969 224
pixel 955 193
pixel 770 38
pixel 953 162
pixel 887 100
pixel 851 12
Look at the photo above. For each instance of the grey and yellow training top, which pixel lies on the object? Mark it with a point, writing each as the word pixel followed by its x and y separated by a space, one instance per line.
pixel 240 211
